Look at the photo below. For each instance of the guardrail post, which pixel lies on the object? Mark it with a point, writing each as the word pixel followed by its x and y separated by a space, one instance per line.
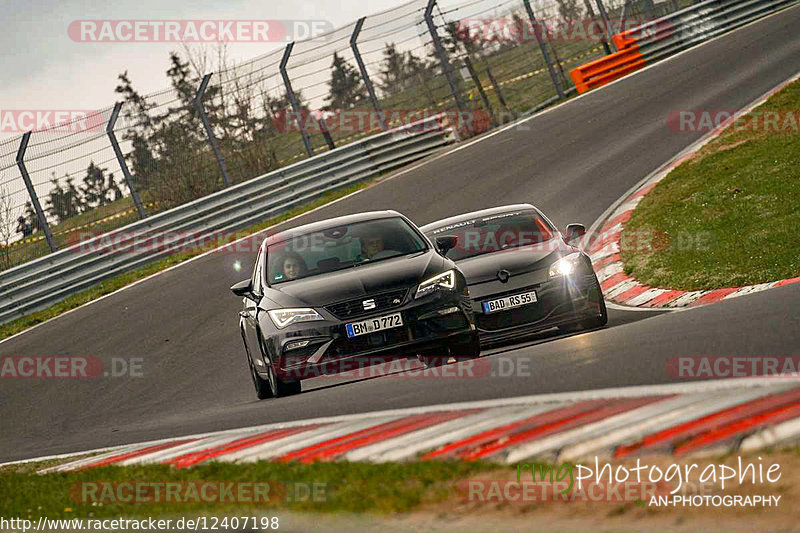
pixel 437 44
pixel 198 104
pixel 603 39
pixel 23 146
pixel 537 31
pixel 606 23
pixel 293 99
pixel 121 159
pixel 364 74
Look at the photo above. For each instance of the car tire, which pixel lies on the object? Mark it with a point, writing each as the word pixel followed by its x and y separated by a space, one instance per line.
pixel 434 357
pixel 263 390
pixel 278 387
pixel 597 321
pixel 466 351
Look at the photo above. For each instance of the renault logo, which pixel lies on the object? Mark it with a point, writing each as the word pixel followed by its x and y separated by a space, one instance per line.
pixel 503 275
pixel 368 304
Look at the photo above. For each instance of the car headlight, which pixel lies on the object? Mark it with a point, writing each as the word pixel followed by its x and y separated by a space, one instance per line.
pixel 284 317
pixel 565 266
pixel 445 280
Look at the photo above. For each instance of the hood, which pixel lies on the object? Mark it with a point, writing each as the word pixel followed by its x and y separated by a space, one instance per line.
pixel 355 282
pixel 482 268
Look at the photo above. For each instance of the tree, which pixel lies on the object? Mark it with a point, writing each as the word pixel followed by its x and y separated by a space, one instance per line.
pixel 32 218
pixel 392 78
pixel 114 188
pixel 6 228
pixel 346 89
pixel 95 192
pixel 64 202
pixel 399 71
pixel 137 113
pixel 569 10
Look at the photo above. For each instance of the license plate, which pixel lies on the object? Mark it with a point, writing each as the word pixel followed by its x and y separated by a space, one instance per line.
pixel 354 329
pixel 509 302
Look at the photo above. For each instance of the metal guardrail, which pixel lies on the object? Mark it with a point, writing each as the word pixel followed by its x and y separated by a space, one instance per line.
pixel 695 24
pixel 41 283
pixel 659 39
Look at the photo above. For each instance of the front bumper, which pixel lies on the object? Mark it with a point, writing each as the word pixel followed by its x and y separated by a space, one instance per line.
pixel 559 301
pixel 431 322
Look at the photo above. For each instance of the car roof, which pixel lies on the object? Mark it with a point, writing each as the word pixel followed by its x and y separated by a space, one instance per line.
pixel 474 215
pixel 287 234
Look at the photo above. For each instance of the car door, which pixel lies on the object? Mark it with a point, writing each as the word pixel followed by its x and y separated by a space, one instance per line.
pixel 249 314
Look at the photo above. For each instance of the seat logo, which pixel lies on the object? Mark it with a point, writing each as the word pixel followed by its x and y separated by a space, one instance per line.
pixel 368 304
pixel 503 275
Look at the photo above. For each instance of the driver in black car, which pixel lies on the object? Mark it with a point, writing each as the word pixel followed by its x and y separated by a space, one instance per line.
pixel 373 247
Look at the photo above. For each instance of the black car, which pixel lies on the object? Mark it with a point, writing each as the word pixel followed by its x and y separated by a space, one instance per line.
pixel 369 286
pixel 523 275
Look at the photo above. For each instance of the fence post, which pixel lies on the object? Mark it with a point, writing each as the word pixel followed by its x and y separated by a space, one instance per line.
pixel 607 23
pixel 121 159
pixel 23 146
pixel 293 100
pixel 198 104
pixel 479 87
pixel 365 74
pixel 537 30
pixel 437 44
pixel 603 40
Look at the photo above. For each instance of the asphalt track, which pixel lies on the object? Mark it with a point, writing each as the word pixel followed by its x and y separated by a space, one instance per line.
pixel 573 162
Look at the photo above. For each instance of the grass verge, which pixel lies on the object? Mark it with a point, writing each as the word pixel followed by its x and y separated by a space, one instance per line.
pixel 348 487
pixel 117 282
pixel 443 489
pixel 729 214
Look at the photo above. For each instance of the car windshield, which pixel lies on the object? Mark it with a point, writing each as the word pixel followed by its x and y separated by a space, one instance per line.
pixel 341 247
pixel 494 233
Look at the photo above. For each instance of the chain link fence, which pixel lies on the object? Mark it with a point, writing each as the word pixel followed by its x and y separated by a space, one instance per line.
pixel 480 63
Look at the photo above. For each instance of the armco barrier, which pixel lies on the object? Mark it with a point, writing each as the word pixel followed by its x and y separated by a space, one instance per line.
pixel 669 35
pixel 43 282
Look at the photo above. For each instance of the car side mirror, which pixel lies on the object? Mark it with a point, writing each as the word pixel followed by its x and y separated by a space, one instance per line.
pixel 244 288
pixel 574 232
pixel 445 243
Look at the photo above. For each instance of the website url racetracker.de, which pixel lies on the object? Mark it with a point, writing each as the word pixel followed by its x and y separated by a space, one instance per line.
pixel 201 523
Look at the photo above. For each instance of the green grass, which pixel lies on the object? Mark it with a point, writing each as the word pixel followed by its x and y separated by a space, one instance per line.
pixel 117 282
pixel 731 213
pixel 347 487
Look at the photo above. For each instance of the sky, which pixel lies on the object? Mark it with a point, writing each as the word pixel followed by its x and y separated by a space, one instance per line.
pixel 45 69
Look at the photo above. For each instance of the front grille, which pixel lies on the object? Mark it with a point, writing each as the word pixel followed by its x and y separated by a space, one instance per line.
pixel 355 308
pixel 510 318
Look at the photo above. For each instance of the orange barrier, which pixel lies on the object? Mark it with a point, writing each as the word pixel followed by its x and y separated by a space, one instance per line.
pixel 607 69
